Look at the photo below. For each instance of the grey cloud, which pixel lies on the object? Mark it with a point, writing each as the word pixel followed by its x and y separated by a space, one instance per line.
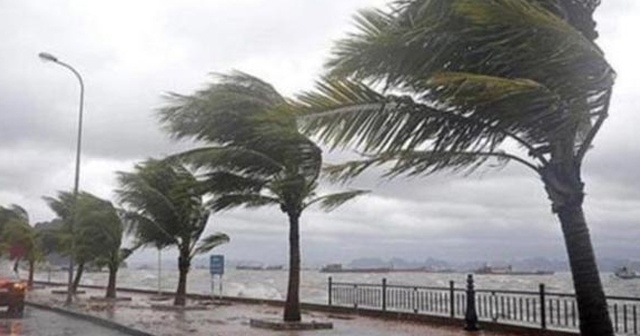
pixel 131 53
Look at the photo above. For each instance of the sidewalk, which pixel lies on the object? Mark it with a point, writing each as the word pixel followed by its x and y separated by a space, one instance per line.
pixel 232 320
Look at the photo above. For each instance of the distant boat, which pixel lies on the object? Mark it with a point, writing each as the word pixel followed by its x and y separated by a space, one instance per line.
pixel 625 273
pixel 249 268
pixel 260 267
pixel 337 268
pixel 488 270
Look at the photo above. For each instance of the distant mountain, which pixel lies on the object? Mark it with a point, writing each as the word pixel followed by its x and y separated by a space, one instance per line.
pixel 525 264
pixel 368 263
pixel 398 263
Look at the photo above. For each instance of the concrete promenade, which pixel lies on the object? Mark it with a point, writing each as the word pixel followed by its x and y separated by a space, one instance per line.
pixel 205 318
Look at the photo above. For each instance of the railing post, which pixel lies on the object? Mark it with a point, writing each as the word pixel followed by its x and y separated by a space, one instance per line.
pixel 384 294
pixel 330 291
pixel 452 301
pixel 471 317
pixel 543 310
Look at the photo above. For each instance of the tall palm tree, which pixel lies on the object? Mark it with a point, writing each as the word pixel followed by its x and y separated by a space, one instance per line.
pixel 165 208
pixel 465 81
pixel 256 156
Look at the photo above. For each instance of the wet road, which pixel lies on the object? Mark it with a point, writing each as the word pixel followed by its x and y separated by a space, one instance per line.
pixel 40 322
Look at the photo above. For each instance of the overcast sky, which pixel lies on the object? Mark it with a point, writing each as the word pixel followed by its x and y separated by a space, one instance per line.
pixel 131 52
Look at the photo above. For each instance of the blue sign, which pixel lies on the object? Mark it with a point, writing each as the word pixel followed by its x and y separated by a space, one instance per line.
pixel 216 264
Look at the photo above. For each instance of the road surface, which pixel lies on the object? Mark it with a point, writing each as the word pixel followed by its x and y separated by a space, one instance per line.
pixel 38 322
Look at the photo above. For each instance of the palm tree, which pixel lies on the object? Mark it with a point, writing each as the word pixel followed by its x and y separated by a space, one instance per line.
pixel 20 239
pixel 256 156
pixel 112 231
pixel 93 231
pixel 14 213
pixel 165 208
pixel 467 81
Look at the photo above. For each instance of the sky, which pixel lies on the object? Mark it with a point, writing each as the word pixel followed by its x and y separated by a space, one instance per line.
pixel 130 53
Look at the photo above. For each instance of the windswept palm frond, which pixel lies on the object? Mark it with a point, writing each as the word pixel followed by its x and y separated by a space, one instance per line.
pixel 421 38
pixel 343 112
pixel 210 242
pixel 147 231
pixel 140 195
pixel 19 213
pixel 238 159
pixel 230 201
pixel 418 40
pixel 332 201
pixel 164 203
pixel 125 253
pixel 234 100
pixel 578 13
pixel 221 182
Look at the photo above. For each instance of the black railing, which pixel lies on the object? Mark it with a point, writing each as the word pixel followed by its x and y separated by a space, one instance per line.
pixel 538 309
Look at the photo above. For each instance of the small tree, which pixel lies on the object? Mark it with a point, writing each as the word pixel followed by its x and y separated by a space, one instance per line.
pixel 112 230
pixel 19 239
pixel 165 208
pixel 90 237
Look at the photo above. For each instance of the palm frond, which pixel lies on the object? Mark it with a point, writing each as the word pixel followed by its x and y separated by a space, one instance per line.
pixel 332 201
pixel 221 182
pixel 419 39
pixel 238 159
pixel 578 13
pixel 221 112
pixel 19 212
pixel 230 201
pixel 164 204
pixel 210 242
pixel 343 112
pixel 418 163
pixel 408 47
pixel 147 231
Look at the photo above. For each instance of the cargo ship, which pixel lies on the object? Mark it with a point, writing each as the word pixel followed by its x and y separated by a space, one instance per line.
pixel 488 270
pixel 260 267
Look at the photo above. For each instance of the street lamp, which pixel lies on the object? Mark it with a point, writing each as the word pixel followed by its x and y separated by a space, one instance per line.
pixel 50 58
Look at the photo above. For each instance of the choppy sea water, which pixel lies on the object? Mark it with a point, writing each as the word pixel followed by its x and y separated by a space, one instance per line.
pixel 273 284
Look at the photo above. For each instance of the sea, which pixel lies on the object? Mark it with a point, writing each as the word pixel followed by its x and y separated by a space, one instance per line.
pixel 272 284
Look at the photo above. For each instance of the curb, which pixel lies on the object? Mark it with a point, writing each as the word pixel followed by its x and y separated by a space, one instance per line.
pixel 90 318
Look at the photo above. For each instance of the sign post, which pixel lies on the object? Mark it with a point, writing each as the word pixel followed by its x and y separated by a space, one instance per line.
pixel 216 267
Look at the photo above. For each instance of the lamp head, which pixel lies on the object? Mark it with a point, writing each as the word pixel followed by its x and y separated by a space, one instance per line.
pixel 47 57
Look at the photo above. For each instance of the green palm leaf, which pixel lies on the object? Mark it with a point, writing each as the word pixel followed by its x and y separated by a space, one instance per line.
pixel 332 201
pixel 235 100
pixel 210 242
pixel 229 201
pixel 239 159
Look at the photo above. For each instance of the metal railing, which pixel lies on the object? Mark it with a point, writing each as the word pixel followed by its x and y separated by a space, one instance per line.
pixel 538 309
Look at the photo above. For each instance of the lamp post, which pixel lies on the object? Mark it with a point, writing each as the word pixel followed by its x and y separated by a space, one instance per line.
pixel 50 58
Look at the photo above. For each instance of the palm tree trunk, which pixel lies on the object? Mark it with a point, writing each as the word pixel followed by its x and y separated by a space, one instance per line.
pixel 183 267
pixel 32 266
pixel 592 303
pixel 111 285
pixel 292 305
pixel 76 281
pixel 565 189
